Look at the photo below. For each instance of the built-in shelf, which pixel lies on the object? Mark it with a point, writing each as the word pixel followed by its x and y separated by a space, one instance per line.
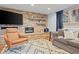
pixel 39 21
pixel 42 19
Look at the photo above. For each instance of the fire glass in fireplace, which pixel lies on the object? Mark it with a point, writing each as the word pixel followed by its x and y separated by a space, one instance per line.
pixel 29 30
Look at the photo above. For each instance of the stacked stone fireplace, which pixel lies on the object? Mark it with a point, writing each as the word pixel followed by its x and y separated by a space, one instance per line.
pixel 28 21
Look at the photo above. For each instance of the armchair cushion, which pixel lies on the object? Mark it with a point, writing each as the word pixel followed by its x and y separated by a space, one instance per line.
pixel 20 40
pixel 13 36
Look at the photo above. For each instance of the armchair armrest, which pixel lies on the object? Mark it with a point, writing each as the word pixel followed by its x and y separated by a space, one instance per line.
pixel 7 39
pixel 21 35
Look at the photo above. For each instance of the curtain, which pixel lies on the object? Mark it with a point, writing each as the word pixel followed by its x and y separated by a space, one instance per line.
pixel 59 20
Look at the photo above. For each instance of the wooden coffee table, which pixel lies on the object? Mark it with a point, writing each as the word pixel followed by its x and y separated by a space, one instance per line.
pixel 2 48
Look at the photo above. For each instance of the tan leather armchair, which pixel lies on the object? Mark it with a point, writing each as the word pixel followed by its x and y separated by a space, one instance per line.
pixel 12 37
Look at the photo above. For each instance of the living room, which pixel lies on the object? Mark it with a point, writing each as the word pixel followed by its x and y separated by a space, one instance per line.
pixel 39 28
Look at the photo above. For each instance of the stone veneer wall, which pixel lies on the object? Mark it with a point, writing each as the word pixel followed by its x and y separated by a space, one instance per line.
pixel 26 21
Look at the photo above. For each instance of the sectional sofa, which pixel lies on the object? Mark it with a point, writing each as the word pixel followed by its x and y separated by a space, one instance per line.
pixel 69 45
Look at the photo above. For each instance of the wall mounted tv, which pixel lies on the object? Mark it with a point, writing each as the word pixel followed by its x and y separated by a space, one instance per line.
pixel 7 17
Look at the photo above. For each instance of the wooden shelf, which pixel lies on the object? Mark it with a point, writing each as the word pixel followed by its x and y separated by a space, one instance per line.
pixel 37 19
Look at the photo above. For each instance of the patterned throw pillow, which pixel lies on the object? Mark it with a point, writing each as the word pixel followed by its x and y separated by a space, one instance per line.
pixel 70 34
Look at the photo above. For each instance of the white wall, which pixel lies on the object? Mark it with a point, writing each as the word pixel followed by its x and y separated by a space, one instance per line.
pixel 52 22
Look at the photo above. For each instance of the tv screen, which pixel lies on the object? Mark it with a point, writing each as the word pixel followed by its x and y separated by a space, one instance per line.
pixel 7 17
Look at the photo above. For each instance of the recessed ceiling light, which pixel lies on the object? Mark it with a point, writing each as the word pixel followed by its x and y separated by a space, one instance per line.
pixel 49 8
pixel 32 4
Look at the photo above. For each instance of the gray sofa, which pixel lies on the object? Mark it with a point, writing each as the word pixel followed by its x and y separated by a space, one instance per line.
pixel 69 45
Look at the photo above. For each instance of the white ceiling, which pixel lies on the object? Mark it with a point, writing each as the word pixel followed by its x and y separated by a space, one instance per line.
pixel 39 8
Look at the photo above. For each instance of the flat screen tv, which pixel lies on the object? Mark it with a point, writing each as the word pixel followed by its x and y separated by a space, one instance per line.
pixel 7 17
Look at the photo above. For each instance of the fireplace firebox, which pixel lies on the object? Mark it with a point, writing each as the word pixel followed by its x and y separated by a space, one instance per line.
pixel 29 29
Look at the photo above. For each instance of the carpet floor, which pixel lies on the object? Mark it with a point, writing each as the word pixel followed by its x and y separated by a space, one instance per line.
pixel 39 46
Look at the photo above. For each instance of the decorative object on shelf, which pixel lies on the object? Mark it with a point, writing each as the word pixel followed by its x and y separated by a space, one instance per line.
pixel 46 30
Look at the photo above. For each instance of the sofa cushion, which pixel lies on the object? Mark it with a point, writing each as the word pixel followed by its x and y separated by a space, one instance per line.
pixel 74 43
pixel 61 40
pixel 67 48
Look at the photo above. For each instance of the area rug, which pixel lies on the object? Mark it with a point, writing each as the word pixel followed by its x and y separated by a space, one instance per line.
pixel 39 46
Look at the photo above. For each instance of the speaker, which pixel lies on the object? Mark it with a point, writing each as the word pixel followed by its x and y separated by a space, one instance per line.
pixel 46 30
